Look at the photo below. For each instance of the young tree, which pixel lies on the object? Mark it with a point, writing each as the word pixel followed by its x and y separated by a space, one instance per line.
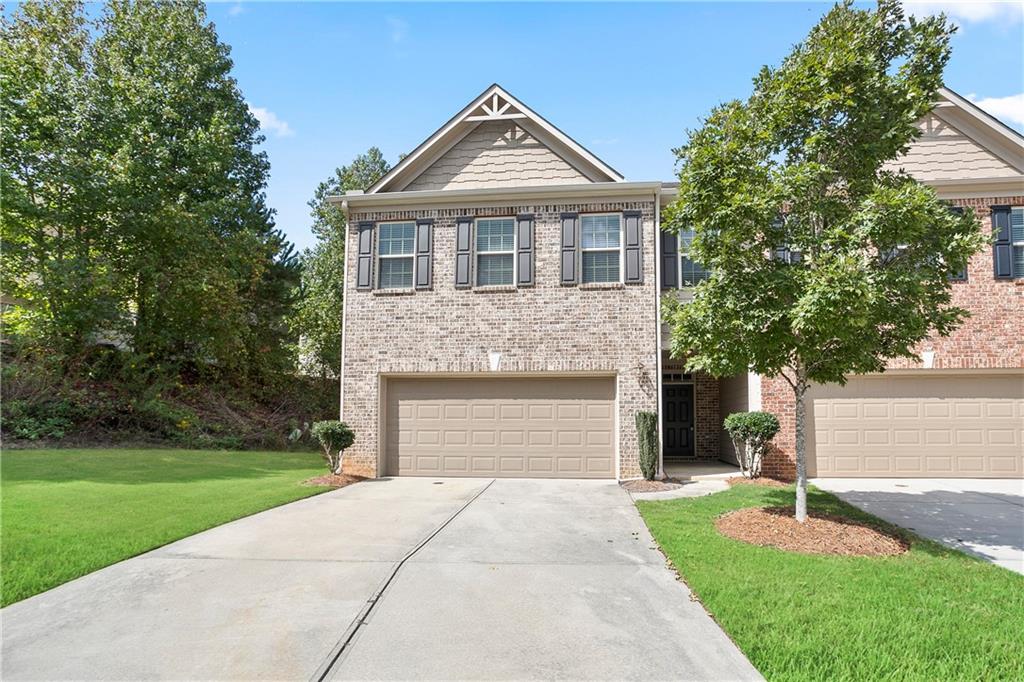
pixel 824 260
pixel 317 317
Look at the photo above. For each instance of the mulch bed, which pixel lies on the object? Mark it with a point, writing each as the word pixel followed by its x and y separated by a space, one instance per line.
pixel 766 482
pixel 334 480
pixel 642 486
pixel 820 534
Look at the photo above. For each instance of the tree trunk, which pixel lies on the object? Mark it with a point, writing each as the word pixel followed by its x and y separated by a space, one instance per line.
pixel 799 391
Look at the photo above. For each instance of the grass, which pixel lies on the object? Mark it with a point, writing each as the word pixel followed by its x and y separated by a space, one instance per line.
pixel 65 513
pixel 932 613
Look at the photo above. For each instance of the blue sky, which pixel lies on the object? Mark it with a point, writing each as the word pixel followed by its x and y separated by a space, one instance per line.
pixel 329 80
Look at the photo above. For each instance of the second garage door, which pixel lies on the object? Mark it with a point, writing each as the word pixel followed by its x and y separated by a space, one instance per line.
pixel 513 427
pixel 953 426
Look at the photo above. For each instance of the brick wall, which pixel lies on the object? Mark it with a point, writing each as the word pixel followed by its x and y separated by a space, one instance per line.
pixel 991 338
pixel 544 328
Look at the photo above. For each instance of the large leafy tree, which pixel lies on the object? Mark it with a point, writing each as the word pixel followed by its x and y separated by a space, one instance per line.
pixel 134 189
pixel 825 259
pixel 55 260
pixel 317 317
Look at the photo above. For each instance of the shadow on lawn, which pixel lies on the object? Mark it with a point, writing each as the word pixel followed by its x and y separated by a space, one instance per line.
pixel 821 501
pixel 127 467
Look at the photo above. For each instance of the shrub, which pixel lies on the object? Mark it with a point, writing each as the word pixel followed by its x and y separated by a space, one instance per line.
pixel 751 432
pixel 647 435
pixel 334 437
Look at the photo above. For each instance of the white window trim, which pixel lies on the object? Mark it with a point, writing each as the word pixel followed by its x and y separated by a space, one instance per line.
pixel 411 255
pixel 477 253
pixel 605 249
pixel 680 255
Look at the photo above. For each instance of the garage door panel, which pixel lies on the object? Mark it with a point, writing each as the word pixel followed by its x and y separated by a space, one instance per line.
pixel 501 427
pixel 954 425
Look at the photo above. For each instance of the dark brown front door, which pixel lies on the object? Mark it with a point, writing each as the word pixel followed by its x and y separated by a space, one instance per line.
pixel 677 427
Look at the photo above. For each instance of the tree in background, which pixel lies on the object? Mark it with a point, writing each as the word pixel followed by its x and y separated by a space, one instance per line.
pixel 134 193
pixel 317 317
pixel 824 260
pixel 56 257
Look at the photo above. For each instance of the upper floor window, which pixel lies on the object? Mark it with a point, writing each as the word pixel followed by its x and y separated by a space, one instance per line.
pixel 691 273
pixel 601 242
pixel 395 243
pixel 495 251
pixel 1017 239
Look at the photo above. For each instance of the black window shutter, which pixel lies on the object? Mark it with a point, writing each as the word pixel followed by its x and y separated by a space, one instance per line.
pixel 570 243
pixel 424 251
pixel 364 257
pixel 524 250
pixel 1002 252
pixel 634 247
pixel 463 253
pixel 960 275
pixel 669 261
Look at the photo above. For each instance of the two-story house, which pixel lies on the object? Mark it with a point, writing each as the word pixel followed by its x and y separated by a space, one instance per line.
pixel 502 300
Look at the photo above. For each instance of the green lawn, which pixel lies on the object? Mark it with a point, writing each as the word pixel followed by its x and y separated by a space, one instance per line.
pixel 931 613
pixel 68 512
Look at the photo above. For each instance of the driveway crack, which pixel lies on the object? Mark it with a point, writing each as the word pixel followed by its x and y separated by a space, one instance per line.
pixel 339 649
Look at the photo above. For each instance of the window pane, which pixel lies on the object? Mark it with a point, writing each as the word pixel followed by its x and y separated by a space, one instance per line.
pixel 693 273
pixel 1017 225
pixel 600 266
pixel 395 238
pixel 395 273
pixel 600 231
pixel 494 269
pixel 1018 261
pixel 495 234
pixel 685 239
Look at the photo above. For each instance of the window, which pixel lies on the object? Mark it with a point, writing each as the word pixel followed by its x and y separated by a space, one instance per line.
pixel 395 255
pixel 601 240
pixel 691 273
pixel 495 251
pixel 1017 240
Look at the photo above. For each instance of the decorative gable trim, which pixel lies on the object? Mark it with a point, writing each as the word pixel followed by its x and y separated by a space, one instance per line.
pixel 494 104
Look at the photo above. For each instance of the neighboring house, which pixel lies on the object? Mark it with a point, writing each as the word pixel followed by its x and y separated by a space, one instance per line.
pixel 502 304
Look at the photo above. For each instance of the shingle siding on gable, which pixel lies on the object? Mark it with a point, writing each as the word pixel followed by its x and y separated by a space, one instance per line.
pixel 497 154
pixel 944 153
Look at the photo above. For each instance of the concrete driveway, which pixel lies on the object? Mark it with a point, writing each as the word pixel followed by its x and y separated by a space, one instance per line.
pixel 390 579
pixel 981 517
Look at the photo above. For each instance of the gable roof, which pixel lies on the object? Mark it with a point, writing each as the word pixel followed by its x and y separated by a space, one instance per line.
pixel 493 104
pixel 986 130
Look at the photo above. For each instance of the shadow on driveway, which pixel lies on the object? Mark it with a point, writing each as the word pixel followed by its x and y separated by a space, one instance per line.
pixel 984 518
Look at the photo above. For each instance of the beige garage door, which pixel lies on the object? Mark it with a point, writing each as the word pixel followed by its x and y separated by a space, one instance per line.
pixel 540 428
pixel 900 426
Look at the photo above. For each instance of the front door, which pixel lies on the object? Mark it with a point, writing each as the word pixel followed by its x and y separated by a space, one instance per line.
pixel 677 426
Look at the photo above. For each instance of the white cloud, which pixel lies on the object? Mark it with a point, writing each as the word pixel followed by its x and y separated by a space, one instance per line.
pixel 399 29
pixel 968 11
pixel 236 9
pixel 1009 109
pixel 270 123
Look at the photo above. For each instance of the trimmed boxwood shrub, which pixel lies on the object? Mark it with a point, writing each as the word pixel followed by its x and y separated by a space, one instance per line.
pixel 334 437
pixel 751 432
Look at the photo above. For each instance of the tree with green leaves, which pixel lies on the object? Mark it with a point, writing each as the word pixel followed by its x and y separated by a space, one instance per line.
pixel 317 317
pixel 825 259
pixel 55 257
pixel 134 203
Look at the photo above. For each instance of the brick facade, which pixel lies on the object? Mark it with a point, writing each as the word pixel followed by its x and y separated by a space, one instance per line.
pixel 546 328
pixel 991 338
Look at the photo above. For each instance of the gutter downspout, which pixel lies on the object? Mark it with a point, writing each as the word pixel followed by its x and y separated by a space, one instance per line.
pixel 344 317
pixel 657 324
